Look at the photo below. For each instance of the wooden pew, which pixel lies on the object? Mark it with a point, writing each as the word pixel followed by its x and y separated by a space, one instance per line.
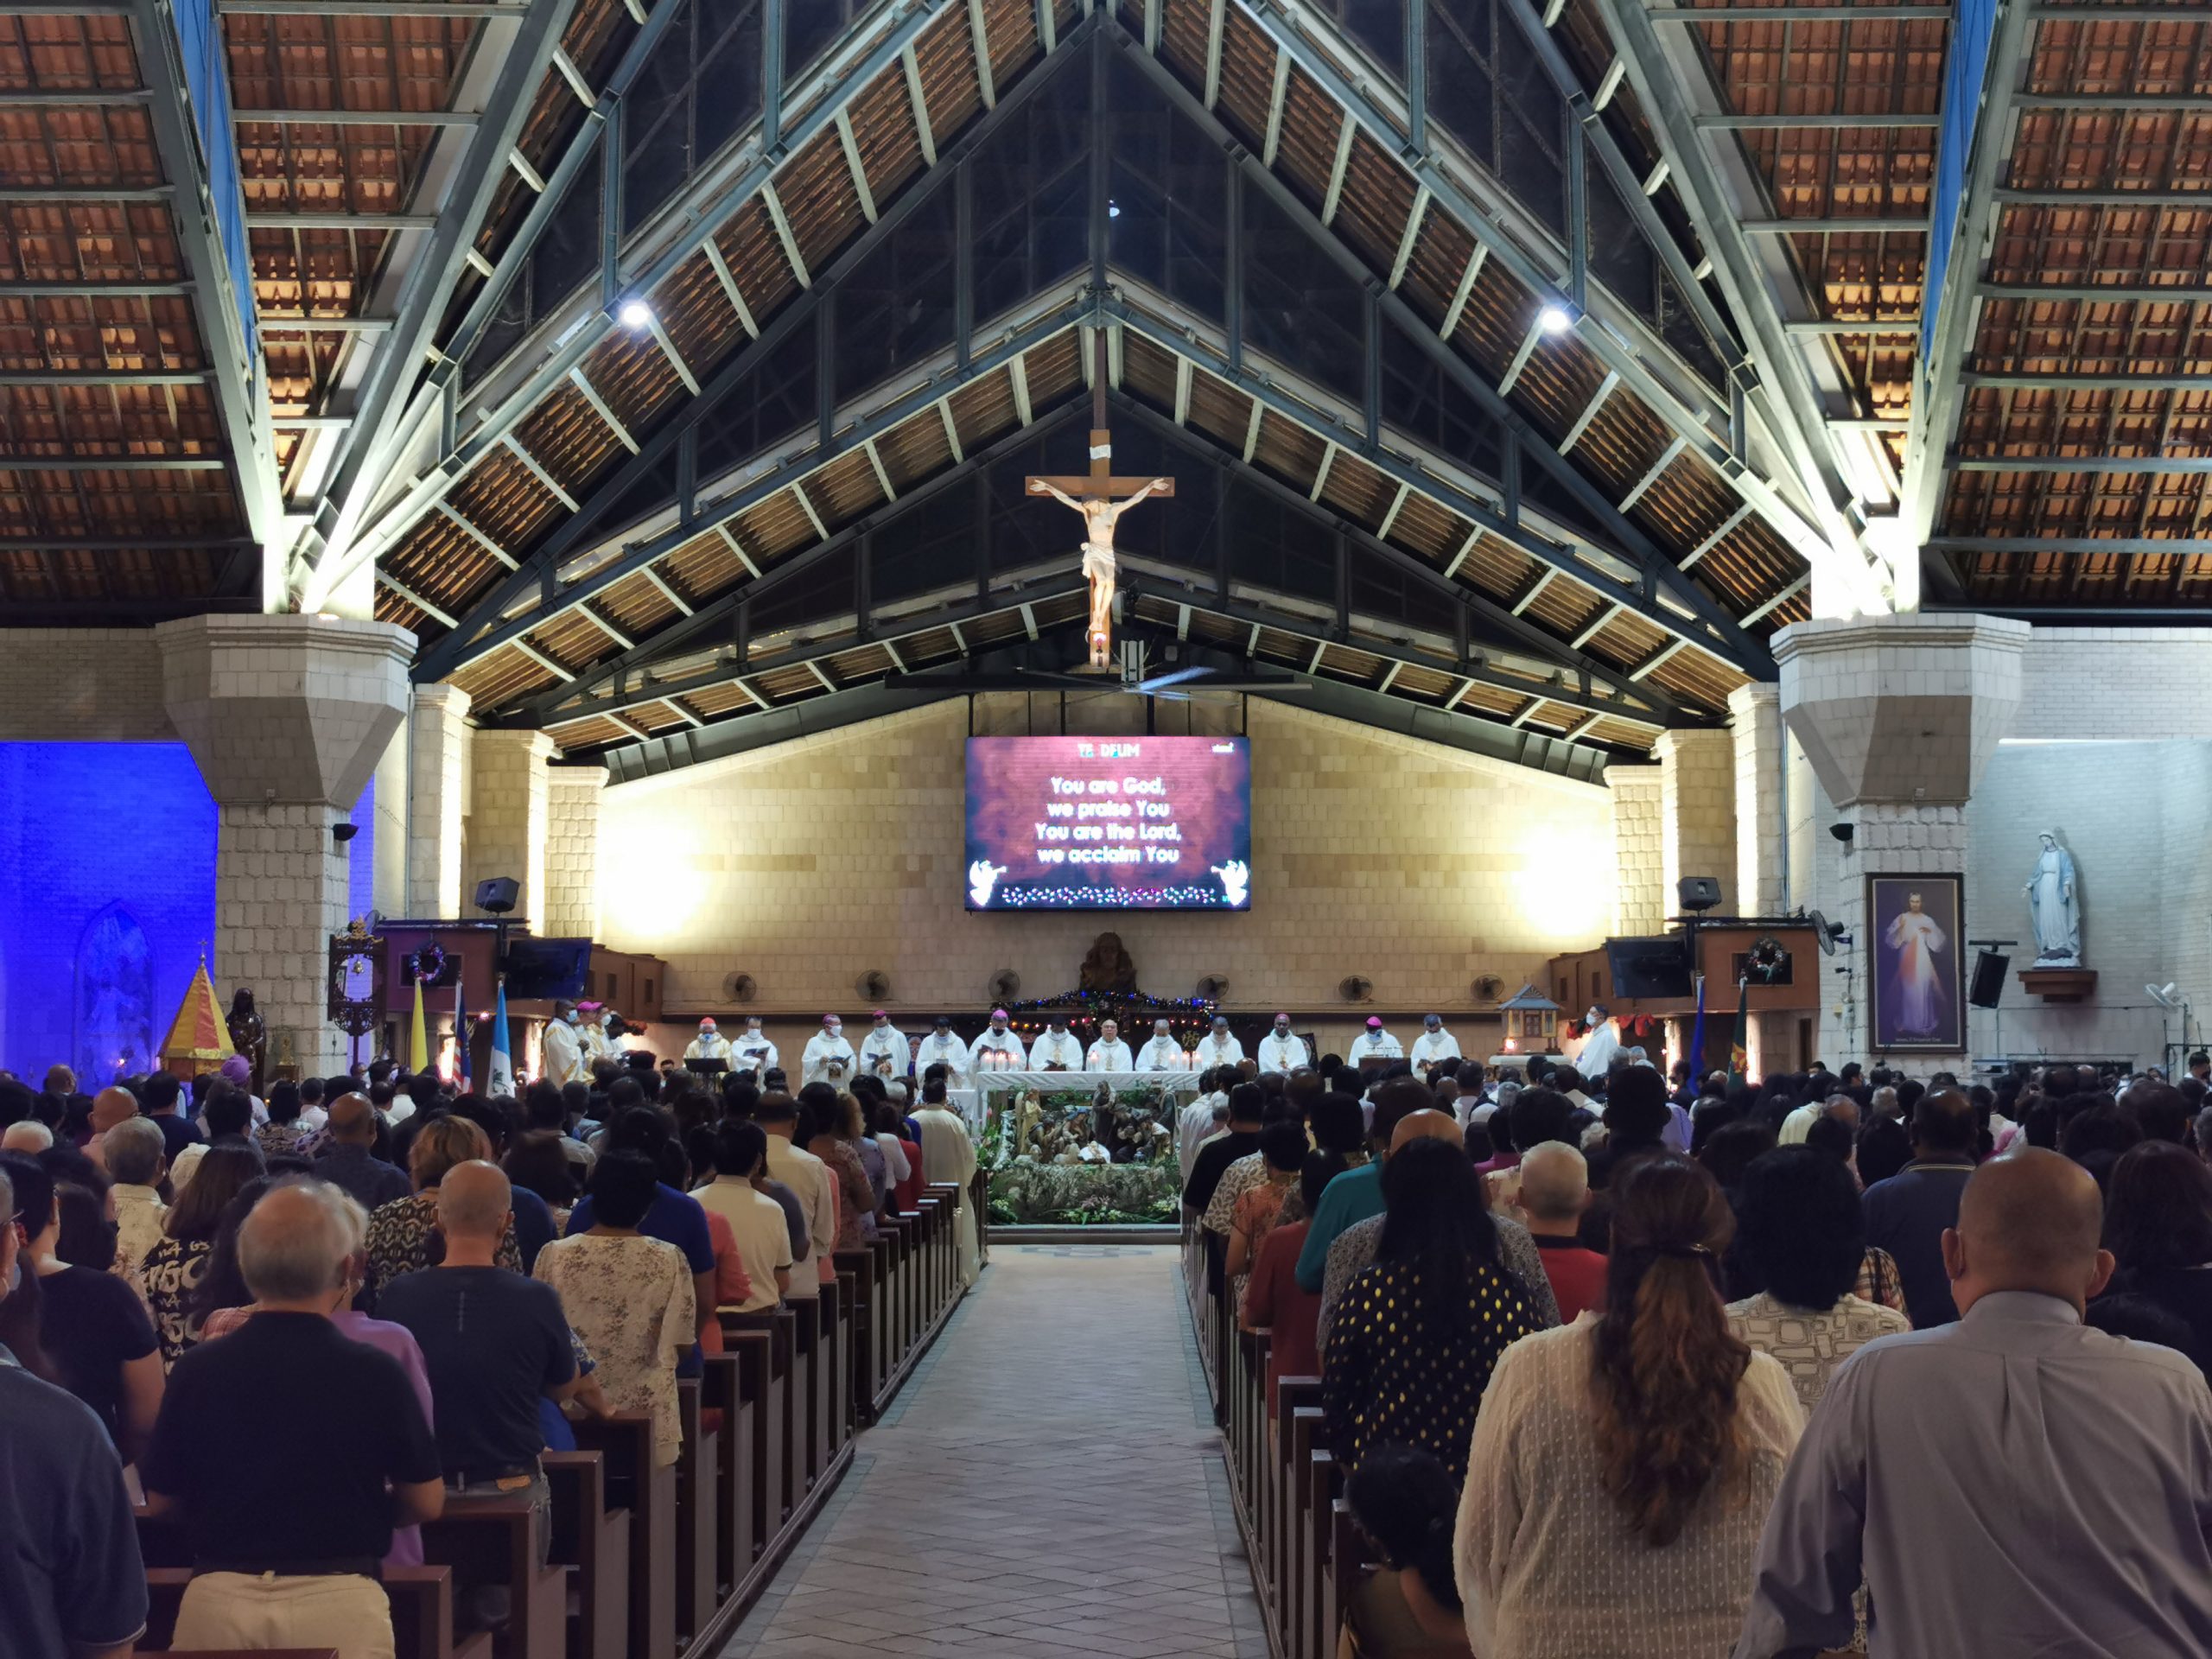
pixel 698 1515
pixel 648 1490
pixel 488 1541
pixel 760 1347
pixel 723 1389
pixel 591 1543
pixel 857 1276
pixel 1287 1566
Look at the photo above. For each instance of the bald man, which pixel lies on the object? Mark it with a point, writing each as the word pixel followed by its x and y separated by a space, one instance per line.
pixel 346 1160
pixel 2034 1486
pixel 1355 1249
pixel 112 1105
pixel 493 1342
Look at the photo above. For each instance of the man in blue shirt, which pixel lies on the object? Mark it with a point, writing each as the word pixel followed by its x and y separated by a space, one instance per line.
pixel 71 1578
pixel 1907 1214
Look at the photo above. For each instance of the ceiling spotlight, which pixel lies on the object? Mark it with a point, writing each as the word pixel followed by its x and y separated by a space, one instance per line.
pixel 636 314
pixel 1556 320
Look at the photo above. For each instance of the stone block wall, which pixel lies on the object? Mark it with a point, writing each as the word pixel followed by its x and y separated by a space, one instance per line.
pixel 1697 812
pixel 504 834
pixel 1639 851
pixel 571 909
pixel 1419 867
pixel 279 893
pixel 441 768
pixel 83 685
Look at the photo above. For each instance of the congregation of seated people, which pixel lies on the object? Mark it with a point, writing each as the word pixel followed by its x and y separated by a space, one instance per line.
pixel 1642 1366
pixel 293 1326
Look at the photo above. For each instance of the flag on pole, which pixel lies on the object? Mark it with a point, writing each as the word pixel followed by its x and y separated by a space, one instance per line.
pixel 1739 1052
pixel 502 1080
pixel 418 1044
pixel 460 1033
pixel 1697 1041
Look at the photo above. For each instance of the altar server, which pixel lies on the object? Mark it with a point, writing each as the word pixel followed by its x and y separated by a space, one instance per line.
pixel 1375 1044
pixel 949 1155
pixel 885 1051
pixel 1163 1052
pixel 755 1053
pixel 709 1045
pixel 996 1039
pixel 1434 1043
pixel 1281 1052
pixel 1217 1048
pixel 1110 1052
pixel 943 1047
pixel 1057 1047
pixel 829 1057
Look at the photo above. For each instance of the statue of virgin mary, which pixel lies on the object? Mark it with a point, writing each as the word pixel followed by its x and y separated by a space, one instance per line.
pixel 2053 909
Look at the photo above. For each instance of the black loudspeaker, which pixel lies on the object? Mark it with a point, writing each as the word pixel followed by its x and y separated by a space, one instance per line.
pixel 1648 967
pixel 496 893
pixel 1988 979
pixel 1698 892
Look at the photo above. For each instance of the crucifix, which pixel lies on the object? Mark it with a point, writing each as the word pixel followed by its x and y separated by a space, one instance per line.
pixel 1094 494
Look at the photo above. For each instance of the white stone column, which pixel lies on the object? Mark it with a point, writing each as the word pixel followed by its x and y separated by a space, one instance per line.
pixel 1755 723
pixel 388 835
pixel 507 819
pixel 572 851
pixel 1896 716
pixel 439 763
pixel 1697 812
pixel 1639 892
pixel 286 717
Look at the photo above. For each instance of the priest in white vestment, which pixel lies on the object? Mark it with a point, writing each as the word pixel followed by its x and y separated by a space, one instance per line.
pixel 829 1058
pixel 709 1045
pixel 948 1159
pixel 1056 1047
pixel 1434 1043
pixel 997 1039
pixel 753 1051
pixel 1163 1052
pixel 1110 1052
pixel 943 1047
pixel 1219 1046
pixel 1374 1044
pixel 560 1050
pixel 1596 1056
pixel 591 1034
pixel 1283 1050
pixel 885 1051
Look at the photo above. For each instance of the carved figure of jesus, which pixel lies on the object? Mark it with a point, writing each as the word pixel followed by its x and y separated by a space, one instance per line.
pixel 1099 516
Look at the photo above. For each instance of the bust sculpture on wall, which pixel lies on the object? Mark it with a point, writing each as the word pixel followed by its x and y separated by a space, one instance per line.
pixel 2054 906
pixel 1108 968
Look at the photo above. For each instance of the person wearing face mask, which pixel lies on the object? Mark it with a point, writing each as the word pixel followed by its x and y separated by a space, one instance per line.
pixel 591 1033
pixel 1281 1052
pixel 997 1039
pixel 709 1045
pixel 829 1058
pixel 943 1047
pixel 885 1051
pixel 1434 1043
pixel 1056 1049
pixel 1219 1047
pixel 559 1049
pixel 753 1051
pixel 1374 1044
pixel 72 1580
pixel 1163 1052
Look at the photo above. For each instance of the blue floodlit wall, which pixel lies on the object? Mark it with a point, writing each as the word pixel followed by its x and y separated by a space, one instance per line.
pixel 107 895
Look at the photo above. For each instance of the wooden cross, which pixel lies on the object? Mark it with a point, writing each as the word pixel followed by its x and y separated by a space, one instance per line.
pixel 1101 498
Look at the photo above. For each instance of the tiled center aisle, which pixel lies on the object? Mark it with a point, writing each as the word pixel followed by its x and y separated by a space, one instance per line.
pixel 1046 1487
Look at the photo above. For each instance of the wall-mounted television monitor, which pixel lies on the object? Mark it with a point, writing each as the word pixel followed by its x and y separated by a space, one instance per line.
pixel 1108 824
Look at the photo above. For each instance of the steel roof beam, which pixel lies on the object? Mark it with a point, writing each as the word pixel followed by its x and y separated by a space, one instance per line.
pixel 2134 465
pixel 302 118
pixel 703 209
pixel 440 658
pixel 220 314
pixel 1874 120
pixel 1792 14
pixel 1728 642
